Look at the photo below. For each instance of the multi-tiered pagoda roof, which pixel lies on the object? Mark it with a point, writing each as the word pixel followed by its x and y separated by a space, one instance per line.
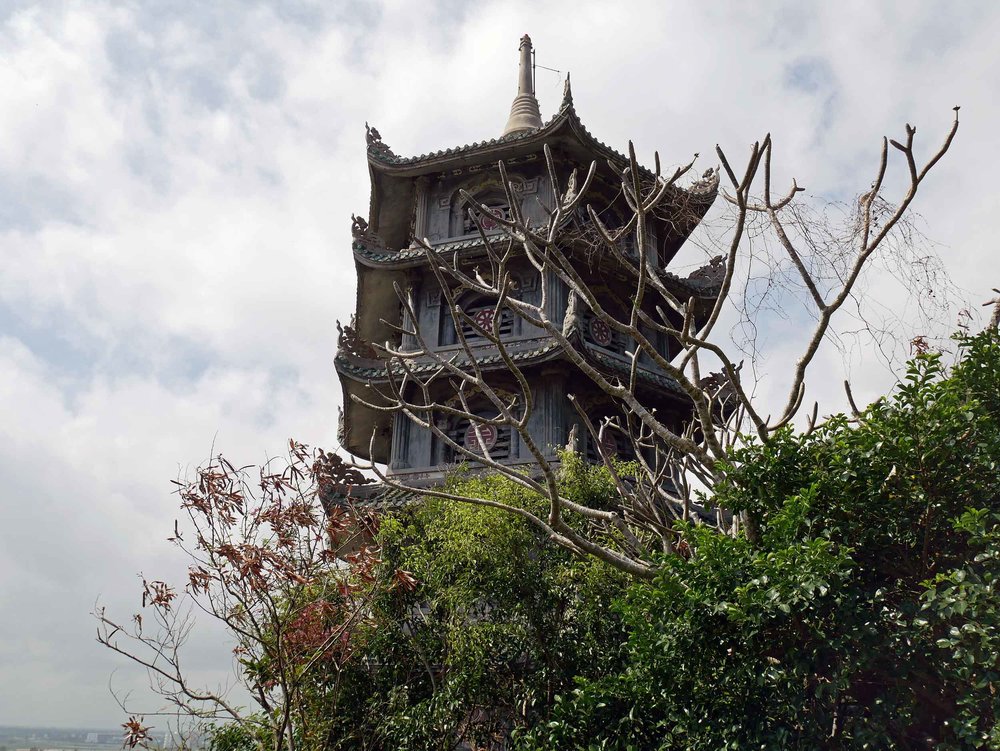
pixel 386 252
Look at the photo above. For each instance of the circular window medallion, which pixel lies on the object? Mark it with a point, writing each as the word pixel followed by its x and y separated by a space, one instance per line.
pixel 484 319
pixel 487 432
pixel 600 332
pixel 487 222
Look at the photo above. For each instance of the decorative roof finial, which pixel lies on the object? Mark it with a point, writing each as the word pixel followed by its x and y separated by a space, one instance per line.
pixel 567 100
pixel 524 112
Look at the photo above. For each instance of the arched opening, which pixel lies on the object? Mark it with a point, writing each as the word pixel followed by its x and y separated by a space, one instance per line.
pixel 491 195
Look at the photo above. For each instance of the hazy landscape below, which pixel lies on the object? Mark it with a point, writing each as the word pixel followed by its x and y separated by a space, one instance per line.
pixel 13 738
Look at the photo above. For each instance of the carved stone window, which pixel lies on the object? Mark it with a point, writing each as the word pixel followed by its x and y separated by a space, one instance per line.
pixel 497 206
pixel 598 332
pixel 482 311
pixel 484 193
pixel 496 439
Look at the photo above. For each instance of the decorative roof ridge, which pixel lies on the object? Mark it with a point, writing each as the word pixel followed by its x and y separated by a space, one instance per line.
pixel 574 332
pixel 373 250
pixel 610 152
pixel 707 184
pixel 708 277
pixel 622 365
pixel 381 153
pixel 375 144
pixel 378 496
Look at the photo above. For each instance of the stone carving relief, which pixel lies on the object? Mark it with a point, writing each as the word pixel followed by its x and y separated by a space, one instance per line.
pixel 359 226
pixel 349 343
pixel 713 272
pixel 335 478
pixel 375 144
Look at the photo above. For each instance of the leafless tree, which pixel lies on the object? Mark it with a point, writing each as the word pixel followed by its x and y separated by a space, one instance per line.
pixel 290 580
pixel 676 467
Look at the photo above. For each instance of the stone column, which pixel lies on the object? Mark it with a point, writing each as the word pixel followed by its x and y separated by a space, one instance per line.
pixel 400 442
pixel 551 398
pixel 420 210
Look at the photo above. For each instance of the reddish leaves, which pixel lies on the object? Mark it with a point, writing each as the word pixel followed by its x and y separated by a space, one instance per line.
pixel 320 630
pixel 292 580
pixel 136 734
pixel 199 580
pixel 404 579
pixel 158 594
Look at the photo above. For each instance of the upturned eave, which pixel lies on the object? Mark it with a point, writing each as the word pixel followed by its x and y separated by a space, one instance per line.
pixel 371 254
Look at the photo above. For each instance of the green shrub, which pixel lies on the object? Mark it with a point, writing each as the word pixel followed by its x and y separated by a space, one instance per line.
pixel 867 617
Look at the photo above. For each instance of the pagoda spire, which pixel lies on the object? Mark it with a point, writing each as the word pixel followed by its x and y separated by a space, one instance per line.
pixel 524 112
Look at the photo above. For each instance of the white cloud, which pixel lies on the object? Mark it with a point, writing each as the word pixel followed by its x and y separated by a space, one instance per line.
pixel 175 192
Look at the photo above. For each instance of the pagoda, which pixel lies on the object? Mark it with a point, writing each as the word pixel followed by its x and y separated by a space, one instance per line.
pixel 425 197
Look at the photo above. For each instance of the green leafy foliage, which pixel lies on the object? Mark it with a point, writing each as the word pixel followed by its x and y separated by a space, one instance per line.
pixel 499 624
pixel 866 617
pixel 865 614
pixel 235 738
pixel 484 628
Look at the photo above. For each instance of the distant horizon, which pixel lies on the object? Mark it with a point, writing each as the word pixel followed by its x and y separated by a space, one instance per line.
pixel 79 728
pixel 60 727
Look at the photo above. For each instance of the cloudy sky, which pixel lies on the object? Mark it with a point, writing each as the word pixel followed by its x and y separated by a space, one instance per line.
pixel 176 185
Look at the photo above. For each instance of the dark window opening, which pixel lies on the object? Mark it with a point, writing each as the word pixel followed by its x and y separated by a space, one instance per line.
pixel 617 445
